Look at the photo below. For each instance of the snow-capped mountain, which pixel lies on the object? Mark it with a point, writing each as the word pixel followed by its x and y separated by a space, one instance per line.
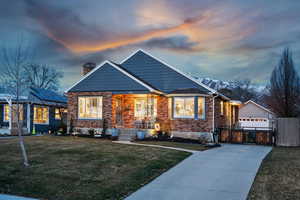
pixel 215 84
pixel 219 84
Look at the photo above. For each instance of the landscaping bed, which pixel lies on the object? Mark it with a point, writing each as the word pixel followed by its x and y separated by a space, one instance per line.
pixel 80 168
pixel 278 177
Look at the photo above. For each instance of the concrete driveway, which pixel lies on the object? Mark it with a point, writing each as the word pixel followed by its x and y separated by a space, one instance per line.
pixel 225 173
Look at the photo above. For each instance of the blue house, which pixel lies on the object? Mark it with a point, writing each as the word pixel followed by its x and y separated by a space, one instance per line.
pixel 41 111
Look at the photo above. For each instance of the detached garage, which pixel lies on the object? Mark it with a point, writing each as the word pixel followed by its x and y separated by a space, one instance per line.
pixel 255 116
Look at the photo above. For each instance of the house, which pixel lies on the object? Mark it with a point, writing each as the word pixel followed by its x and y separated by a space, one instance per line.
pixel 142 92
pixel 255 116
pixel 41 111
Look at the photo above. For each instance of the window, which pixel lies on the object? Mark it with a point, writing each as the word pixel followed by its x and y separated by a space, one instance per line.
pixel 222 107
pixel 90 107
pixel 6 112
pixel 40 115
pixel 145 107
pixel 184 107
pixel 58 113
pixel 14 107
pixel 201 108
pixel 170 107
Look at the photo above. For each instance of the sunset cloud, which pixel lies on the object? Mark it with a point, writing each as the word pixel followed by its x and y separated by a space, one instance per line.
pixel 210 38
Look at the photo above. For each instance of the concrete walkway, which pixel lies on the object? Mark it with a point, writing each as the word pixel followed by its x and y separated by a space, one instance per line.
pixel 11 197
pixel 225 173
pixel 153 145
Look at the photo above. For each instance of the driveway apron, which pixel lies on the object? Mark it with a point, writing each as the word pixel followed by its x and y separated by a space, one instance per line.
pixel 225 173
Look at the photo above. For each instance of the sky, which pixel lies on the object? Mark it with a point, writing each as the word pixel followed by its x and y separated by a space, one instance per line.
pixel 225 40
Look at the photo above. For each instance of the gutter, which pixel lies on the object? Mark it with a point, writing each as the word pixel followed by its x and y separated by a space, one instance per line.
pixel 213 117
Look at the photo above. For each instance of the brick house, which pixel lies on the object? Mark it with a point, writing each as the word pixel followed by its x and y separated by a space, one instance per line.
pixel 142 92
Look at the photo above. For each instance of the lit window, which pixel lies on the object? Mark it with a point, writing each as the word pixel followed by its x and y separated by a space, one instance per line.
pixel 90 107
pixel 58 113
pixel 6 112
pixel 14 118
pixel 170 108
pixel 40 115
pixel 222 107
pixel 184 107
pixel 145 107
pixel 201 107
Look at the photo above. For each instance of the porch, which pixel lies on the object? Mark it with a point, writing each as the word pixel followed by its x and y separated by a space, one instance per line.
pixel 138 111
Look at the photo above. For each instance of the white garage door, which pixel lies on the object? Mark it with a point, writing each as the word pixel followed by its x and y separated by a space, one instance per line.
pixel 251 123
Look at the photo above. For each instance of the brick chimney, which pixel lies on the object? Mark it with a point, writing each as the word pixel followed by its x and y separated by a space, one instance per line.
pixel 87 67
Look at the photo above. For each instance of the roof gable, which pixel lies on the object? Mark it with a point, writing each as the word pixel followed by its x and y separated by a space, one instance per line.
pixel 109 77
pixel 159 74
pixel 259 106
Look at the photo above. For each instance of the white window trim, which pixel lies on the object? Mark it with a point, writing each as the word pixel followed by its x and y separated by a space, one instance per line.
pixel 183 117
pixel 46 123
pixel 89 118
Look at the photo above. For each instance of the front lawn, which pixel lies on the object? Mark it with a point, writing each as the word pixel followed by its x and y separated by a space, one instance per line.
pixel 189 146
pixel 65 168
pixel 278 177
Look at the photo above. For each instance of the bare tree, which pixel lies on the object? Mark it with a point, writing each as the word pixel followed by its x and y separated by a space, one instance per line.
pixel 42 76
pixel 284 88
pixel 13 61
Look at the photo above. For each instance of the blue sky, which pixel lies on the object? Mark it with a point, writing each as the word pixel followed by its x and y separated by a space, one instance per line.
pixel 224 40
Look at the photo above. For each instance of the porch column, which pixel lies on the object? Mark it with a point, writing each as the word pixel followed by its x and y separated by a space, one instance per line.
pixel 28 117
pixel 9 101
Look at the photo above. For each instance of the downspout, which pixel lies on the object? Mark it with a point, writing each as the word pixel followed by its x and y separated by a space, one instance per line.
pixel 213 117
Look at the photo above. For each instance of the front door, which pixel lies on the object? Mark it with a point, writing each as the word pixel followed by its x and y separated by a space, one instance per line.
pixel 119 111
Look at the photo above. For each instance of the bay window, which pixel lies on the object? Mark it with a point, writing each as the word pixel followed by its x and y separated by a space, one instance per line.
pixel 189 107
pixel 184 107
pixel 41 115
pixel 145 107
pixel 90 107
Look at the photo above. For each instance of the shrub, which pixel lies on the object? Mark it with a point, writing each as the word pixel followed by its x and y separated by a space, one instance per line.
pixel 91 132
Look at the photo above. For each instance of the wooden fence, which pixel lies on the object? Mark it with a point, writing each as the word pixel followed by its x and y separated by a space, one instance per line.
pixel 288 132
pixel 244 136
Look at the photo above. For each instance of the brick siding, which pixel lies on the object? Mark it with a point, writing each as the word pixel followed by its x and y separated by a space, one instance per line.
pixel 163 115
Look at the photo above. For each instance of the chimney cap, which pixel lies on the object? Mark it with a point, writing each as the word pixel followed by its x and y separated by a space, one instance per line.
pixel 89 65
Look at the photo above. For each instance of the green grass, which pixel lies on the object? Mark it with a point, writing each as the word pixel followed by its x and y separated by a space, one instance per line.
pixel 64 168
pixel 189 146
pixel 278 177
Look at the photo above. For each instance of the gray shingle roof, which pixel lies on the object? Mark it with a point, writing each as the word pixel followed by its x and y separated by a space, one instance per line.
pixel 158 74
pixel 108 78
pixel 48 95
pixel 141 72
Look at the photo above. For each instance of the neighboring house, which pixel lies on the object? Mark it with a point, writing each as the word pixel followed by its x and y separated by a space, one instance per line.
pixel 253 115
pixel 143 91
pixel 41 111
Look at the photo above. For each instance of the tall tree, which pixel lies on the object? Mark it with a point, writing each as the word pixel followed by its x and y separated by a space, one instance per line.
pixel 13 61
pixel 42 76
pixel 284 88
